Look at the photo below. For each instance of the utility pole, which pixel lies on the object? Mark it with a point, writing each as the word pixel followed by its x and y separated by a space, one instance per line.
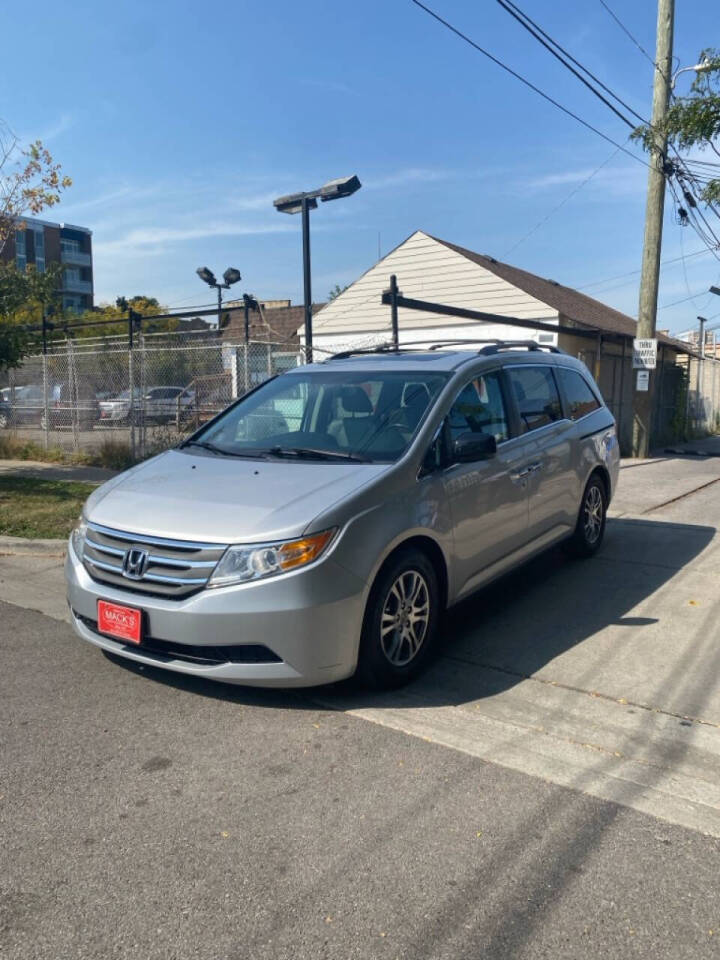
pixel 652 243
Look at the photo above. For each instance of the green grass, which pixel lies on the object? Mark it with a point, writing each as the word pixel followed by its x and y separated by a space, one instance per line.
pixel 114 454
pixel 33 507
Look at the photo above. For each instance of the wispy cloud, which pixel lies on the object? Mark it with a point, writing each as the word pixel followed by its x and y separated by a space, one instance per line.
pixel 624 181
pixel 47 134
pixel 160 237
pixel 409 175
pixel 560 179
pixel 334 86
pixel 259 201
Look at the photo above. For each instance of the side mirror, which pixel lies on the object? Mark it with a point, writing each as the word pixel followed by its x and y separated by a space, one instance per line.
pixel 470 447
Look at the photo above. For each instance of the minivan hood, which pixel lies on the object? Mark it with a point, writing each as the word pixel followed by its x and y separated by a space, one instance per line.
pixel 185 496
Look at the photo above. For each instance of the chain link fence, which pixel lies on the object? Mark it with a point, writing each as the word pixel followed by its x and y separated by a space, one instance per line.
pixel 98 396
pixel 92 394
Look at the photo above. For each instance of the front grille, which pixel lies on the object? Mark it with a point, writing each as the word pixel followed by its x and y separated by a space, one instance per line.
pixel 164 650
pixel 175 569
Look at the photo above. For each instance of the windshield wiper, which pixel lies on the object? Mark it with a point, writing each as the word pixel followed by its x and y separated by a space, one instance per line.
pixel 311 453
pixel 246 454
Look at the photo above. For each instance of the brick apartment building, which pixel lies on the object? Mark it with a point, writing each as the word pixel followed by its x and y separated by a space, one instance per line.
pixel 42 243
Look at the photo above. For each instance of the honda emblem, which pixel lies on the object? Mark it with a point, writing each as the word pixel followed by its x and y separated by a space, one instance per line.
pixel 135 563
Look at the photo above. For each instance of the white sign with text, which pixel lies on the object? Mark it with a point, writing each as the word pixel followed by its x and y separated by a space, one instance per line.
pixel 643 380
pixel 644 354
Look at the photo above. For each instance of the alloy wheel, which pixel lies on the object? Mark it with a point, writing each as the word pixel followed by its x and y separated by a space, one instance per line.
pixel 405 618
pixel 593 514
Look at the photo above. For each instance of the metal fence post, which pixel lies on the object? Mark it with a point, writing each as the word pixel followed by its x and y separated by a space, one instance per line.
pixel 131 393
pixel 46 399
pixel 143 390
pixel 394 292
pixel 598 358
pixel 73 393
pixel 620 419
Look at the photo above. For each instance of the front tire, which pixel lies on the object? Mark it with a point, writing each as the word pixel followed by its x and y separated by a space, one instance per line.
pixel 590 528
pixel 401 621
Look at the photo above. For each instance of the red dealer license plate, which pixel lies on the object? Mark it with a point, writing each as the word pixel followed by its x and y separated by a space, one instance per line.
pixel 123 623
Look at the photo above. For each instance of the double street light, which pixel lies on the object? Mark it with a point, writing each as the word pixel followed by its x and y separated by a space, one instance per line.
pixel 303 203
pixel 230 277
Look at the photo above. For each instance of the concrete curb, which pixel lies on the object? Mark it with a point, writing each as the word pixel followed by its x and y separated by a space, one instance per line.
pixel 14 546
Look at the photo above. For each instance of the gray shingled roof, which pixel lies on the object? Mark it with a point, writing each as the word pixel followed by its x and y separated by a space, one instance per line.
pixel 570 304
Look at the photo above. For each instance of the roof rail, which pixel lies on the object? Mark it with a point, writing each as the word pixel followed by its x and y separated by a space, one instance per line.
pixel 491 345
pixel 523 344
pixel 378 348
pixel 410 346
pixel 439 344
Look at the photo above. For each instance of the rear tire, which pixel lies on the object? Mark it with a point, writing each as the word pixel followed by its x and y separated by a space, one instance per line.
pixel 590 528
pixel 4 421
pixel 401 621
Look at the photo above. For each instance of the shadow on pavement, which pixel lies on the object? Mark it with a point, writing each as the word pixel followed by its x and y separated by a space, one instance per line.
pixel 515 626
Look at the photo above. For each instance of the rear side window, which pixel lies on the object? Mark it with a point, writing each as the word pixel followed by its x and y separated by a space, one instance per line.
pixel 479 408
pixel 537 396
pixel 580 398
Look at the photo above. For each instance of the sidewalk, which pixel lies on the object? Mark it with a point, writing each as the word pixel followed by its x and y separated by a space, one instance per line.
pixel 706 447
pixel 55 471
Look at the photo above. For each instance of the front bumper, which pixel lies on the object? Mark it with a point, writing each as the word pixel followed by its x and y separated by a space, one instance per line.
pixel 311 620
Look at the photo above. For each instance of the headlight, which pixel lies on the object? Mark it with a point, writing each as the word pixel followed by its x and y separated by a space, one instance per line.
pixel 77 538
pixel 259 560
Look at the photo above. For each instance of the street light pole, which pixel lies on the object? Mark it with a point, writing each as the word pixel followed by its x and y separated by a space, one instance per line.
pixel 230 277
pixel 303 203
pixel 307 284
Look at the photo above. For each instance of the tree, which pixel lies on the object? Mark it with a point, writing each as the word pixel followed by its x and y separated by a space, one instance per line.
pixel 30 181
pixel 146 306
pixel 23 298
pixel 336 291
pixel 694 121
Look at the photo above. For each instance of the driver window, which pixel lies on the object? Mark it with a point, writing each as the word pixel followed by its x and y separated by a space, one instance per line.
pixel 480 408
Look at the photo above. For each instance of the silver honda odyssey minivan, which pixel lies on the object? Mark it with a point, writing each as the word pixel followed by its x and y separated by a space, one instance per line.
pixel 321 525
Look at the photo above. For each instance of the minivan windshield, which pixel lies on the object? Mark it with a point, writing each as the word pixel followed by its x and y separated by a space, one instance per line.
pixel 326 416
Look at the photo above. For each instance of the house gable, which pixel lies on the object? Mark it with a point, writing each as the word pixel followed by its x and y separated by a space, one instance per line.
pixel 426 269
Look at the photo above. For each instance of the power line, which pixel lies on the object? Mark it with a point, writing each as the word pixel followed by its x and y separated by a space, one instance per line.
pixel 562 203
pixel 633 273
pixel 675 303
pixel 705 232
pixel 527 82
pixel 538 33
pixel 689 206
pixel 684 266
pixel 625 30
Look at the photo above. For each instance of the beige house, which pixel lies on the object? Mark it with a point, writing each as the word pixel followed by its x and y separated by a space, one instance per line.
pixel 435 270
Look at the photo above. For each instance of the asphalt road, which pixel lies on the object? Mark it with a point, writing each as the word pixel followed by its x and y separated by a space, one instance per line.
pixel 143 815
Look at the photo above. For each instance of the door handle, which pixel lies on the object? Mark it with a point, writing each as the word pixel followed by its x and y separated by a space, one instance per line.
pixel 518 475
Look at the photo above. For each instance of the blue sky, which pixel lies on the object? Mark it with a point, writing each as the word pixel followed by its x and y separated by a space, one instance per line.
pixel 180 122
